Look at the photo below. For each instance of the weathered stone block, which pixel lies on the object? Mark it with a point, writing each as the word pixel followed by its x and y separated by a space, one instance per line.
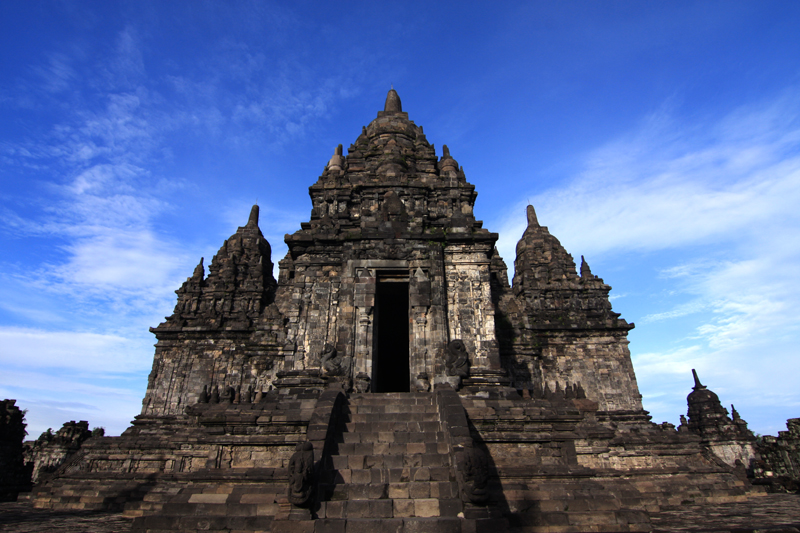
pixel 327 525
pixel 403 507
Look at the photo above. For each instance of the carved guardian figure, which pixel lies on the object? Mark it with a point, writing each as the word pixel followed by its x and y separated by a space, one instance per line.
pixel 474 469
pixel 301 474
pixel 333 365
pixel 457 359
pixel 362 383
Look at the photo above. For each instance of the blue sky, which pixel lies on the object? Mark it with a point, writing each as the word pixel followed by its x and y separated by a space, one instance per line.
pixel 660 140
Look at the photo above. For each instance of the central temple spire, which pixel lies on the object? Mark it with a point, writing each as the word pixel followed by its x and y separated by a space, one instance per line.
pixel 393 104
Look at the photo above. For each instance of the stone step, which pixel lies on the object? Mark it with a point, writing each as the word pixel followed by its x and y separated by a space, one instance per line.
pixel 152 501
pixel 391 448
pixel 203 522
pixel 255 495
pixel 394 426
pixel 392 408
pixel 399 461
pixel 379 399
pixel 394 525
pixel 87 495
pixel 391 396
pixel 391 508
pixel 373 418
pixel 217 507
pixel 391 437
pixel 388 475
pixel 391 475
pixel 382 491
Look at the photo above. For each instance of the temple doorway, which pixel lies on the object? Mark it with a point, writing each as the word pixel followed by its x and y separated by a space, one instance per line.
pixel 390 354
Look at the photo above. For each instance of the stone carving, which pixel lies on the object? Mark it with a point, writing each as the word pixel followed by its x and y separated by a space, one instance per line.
pixel 422 383
pixel 301 474
pixel 457 359
pixel 332 363
pixel 362 382
pixel 571 391
pixel 247 397
pixel 228 394
pixel 474 469
pixel 392 207
pixel 203 397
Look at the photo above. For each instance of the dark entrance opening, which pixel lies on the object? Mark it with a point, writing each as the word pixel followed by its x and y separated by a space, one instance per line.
pixel 390 363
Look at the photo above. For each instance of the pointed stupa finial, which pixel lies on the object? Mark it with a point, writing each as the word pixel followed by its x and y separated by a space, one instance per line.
pixel 532 220
pixel 199 272
pixel 337 161
pixel 697 384
pixel 253 220
pixel 586 272
pixel 393 104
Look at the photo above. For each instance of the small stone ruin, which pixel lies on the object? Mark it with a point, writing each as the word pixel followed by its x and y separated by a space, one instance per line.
pixel 51 450
pixel 15 473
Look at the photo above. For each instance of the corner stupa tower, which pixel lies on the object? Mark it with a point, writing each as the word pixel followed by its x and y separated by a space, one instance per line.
pixel 392 268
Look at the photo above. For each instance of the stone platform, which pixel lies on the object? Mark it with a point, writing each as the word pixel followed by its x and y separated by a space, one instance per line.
pixel 774 513
pixel 424 461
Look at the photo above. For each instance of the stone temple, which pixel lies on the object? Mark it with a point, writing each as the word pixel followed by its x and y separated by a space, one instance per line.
pixel 392 379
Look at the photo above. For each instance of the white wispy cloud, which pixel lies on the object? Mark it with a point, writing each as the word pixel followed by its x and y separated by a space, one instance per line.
pixel 89 353
pixel 671 184
pixel 57 74
pixel 681 310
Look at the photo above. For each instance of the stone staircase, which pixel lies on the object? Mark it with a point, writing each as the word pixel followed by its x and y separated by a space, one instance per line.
pixel 387 468
pixel 391 464
pixel 216 507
